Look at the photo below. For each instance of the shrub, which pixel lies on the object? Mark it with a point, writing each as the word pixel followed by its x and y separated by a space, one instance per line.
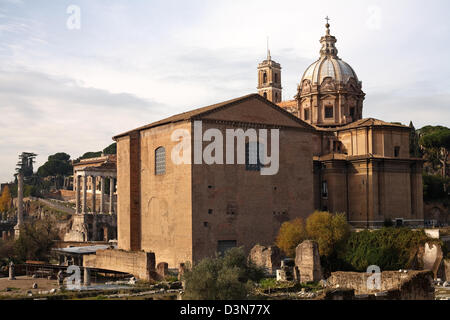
pixel 291 234
pixel 329 230
pixel 222 278
pixel 388 248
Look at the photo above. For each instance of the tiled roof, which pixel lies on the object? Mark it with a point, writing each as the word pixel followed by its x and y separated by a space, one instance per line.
pixel 368 122
pixel 205 110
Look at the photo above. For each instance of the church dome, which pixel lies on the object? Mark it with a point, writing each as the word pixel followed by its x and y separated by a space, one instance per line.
pixel 329 64
pixel 329 67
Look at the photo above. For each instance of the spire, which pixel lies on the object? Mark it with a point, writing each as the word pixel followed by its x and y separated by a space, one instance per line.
pixel 268 50
pixel 328 42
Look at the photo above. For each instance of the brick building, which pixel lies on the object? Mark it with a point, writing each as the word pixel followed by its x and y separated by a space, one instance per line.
pixel 330 158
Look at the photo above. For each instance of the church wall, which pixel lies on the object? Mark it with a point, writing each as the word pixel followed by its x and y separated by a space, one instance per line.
pixel 334 173
pixel 166 210
pixel 231 203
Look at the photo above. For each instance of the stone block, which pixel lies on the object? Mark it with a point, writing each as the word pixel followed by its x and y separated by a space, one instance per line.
pixel 307 259
pixel 268 258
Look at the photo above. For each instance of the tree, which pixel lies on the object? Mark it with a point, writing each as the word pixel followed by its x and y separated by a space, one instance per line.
pixel 222 278
pixel 388 248
pixel 436 143
pixel 111 149
pixel 57 165
pixel 291 234
pixel 414 147
pixel 61 156
pixel 5 200
pixel 329 230
pixel 90 154
pixel 36 240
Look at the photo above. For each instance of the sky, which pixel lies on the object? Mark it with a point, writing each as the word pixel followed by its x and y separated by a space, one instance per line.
pixel 75 73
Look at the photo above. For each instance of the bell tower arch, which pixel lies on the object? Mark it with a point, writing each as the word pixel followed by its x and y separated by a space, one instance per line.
pixel 269 79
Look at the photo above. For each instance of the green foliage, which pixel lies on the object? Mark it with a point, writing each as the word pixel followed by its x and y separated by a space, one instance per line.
pixel 388 248
pixel 329 230
pixel 90 154
pixel 57 164
pixel 434 187
pixel 414 147
pixel 435 142
pixel 60 156
pixel 435 137
pixel 36 240
pixel 111 149
pixel 222 278
pixel 291 234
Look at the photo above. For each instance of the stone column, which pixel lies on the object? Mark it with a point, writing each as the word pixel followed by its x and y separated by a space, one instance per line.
pixel 111 195
pixel 84 208
pixel 94 191
pixel 87 277
pixel 77 194
pixel 19 205
pixel 102 194
pixel 12 274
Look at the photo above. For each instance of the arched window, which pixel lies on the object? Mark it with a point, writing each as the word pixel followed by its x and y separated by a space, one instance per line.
pixel 265 95
pixel 160 161
pixel 276 77
pixel 276 96
pixel 264 77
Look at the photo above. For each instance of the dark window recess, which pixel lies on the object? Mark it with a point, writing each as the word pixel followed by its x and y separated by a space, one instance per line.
pixel 205 224
pixel 225 245
pixel 231 209
pixel 329 112
pixel 276 77
pixel 306 114
pixel 210 211
pixel 324 189
pixel 252 150
pixel 265 95
pixel 264 77
pixel 397 152
pixel 352 113
pixel 210 187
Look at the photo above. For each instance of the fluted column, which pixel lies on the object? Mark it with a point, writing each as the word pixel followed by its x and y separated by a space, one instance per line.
pixel 84 203
pixel 94 191
pixel 111 195
pixel 77 194
pixel 102 194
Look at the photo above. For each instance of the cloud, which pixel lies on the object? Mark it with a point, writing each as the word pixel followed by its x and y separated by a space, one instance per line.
pixel 46 114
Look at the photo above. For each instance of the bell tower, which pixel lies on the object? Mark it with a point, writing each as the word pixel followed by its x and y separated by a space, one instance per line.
pixel 269 79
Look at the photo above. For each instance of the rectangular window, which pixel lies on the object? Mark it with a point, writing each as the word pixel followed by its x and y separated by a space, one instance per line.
pixel 160 161
pixel 397 152
pixel 324 189
pixel 352 113
pixel 306 114
pixel 225 245
pixel 252 160
pixel 329 112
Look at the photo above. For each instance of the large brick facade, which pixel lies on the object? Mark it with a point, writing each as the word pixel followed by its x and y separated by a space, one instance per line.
pixel 183 214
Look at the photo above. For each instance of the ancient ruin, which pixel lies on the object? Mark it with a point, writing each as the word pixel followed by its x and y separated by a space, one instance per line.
pixel 307 260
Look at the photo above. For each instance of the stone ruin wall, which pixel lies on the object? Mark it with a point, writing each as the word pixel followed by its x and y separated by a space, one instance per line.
pixel 413 285
pixel 140 264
